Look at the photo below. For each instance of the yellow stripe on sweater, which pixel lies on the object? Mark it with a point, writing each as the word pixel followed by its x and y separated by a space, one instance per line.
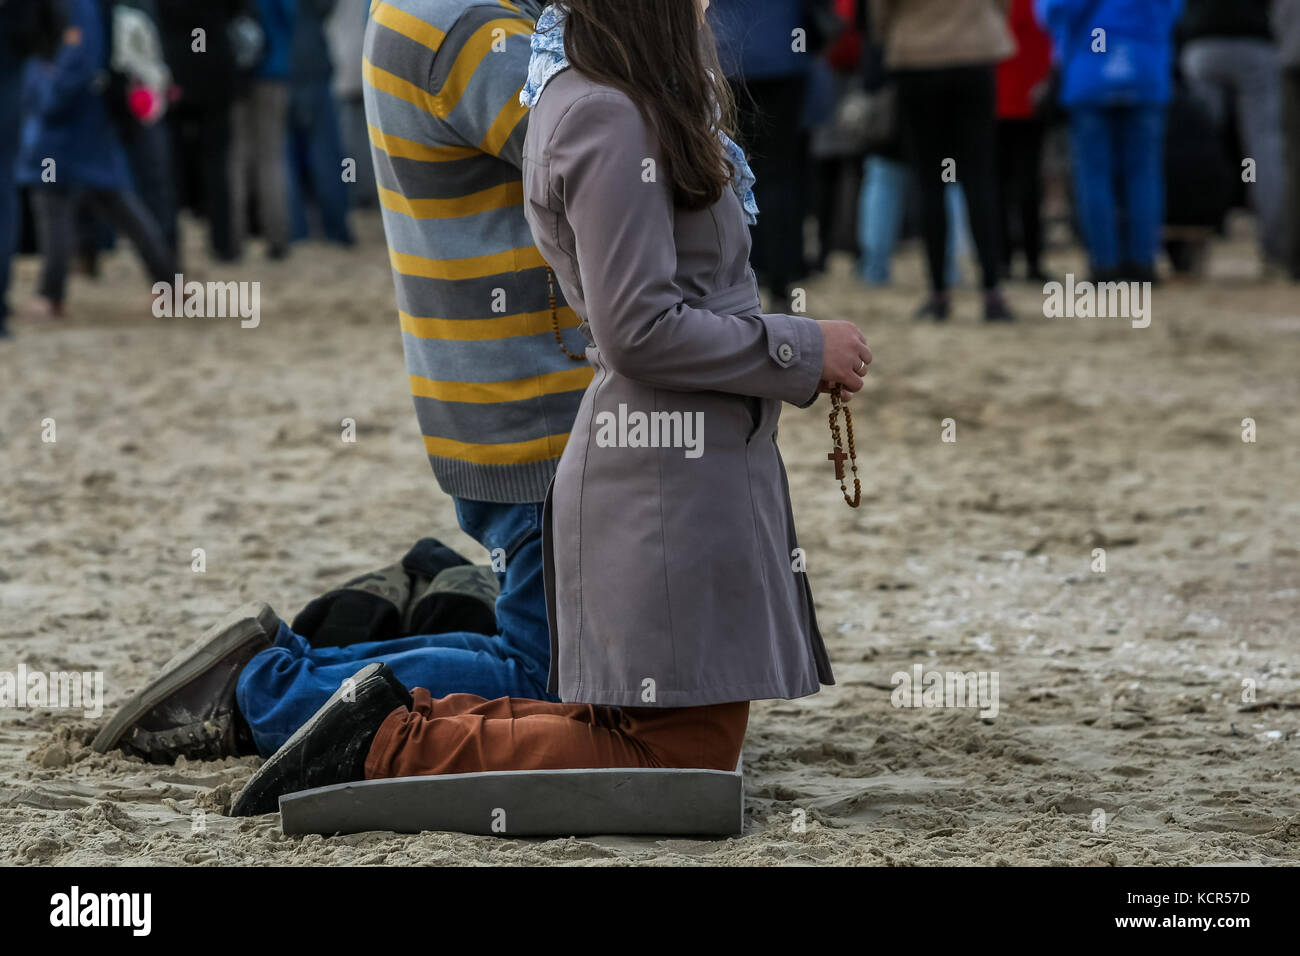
pixel 471 54
pixel 498 133
pixel 394 85
pixel 492 393
pixel 487 329
pixel 485 200
pixel 506 453
pixel 399 148
pixel 474 267
pixel 413 28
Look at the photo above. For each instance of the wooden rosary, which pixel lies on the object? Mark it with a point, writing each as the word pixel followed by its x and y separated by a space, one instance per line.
pixel 837 405
pixel 837 455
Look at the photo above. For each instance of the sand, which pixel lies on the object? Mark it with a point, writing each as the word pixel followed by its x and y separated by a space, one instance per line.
pixel 1121 735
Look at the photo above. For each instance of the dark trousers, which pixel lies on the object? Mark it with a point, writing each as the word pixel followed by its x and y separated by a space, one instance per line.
pixel 1291 135
pixel 949 114
pixel 10 120
pixel 201 134
pixel 149 152
pixel 56 232
pixel 770 115
pixel 1020 182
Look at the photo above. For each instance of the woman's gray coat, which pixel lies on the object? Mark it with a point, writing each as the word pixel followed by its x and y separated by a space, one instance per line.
pixel 670 571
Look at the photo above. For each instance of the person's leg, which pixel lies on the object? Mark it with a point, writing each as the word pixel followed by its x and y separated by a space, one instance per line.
pixel 10 120
pixel 373 728
pixel 326 165
pixel 974 92
pixel 1291 127
pixel 125 212
pixel 1259 115
pixel 149 152
pixel 55 209
pixel 777 150
pixel 1029 197
pixel 1203 63
pixel 883 205
pixel 284 685
pixel 214 143
pixel 1142 157
pixel 243 142
pixel 923 114
pixel 1007 145
pixel 1092 152
pixel 959 237
pixel 271 116
pixel 356 144
pixel 471 735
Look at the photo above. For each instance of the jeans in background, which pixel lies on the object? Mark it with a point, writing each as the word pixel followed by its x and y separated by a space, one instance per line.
pixel 316 162
pixel 284 685
pixel 10 118
pixel 884 196
pixel 1118 160
pixel 356 142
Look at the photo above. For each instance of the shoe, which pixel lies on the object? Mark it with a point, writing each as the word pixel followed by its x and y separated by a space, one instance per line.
pixel 41 310
pixel 996 308
pixel 375 606
pixel 332 746
pixel 935 309
pixel 462 598
pixel 1136 273
pixel 189 710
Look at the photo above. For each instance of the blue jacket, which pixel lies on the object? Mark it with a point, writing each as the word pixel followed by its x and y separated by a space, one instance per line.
pixel 67 119
pixel 1137 65
pixel 755 37
pixel 277 19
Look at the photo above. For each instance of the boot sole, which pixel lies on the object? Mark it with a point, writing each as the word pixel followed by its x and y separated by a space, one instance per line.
pixel 252 622
pixel 369 672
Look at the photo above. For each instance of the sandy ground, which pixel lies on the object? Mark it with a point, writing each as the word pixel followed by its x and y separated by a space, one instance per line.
pixel 1120 692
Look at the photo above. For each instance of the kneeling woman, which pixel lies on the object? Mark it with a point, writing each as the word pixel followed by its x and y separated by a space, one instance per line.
pixel 670 589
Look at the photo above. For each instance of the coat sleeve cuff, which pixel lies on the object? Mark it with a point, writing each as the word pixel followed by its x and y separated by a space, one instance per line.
pixel 795 344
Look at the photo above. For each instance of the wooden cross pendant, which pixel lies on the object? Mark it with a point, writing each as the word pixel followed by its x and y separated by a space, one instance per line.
pixel 839 458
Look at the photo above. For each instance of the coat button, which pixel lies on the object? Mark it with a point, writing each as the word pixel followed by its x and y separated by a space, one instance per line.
pixel 785 352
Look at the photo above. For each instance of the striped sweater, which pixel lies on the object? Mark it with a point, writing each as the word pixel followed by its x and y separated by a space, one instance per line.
pixel 494 393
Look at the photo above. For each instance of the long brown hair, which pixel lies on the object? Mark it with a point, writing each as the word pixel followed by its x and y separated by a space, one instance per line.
pixel 659 54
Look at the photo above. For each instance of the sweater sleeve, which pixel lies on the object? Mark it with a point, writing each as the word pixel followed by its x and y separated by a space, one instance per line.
pixel 607 177
pixel 478 73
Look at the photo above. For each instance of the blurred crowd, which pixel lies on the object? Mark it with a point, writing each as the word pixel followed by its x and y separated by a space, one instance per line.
pixel 1144 122
pixel 116 115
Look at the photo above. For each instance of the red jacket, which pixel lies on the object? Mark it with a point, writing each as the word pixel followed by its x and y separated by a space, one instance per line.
pixel 1029 67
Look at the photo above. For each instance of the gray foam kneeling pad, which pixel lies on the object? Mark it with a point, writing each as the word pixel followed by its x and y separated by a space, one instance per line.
pixel 524 803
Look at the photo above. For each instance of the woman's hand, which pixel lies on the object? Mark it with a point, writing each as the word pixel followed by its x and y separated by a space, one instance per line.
pixel 845 357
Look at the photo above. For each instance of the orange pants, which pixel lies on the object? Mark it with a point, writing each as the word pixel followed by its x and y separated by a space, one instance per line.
pixel 462 733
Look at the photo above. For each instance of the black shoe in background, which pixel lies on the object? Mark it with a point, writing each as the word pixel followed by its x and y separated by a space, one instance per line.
pixel 375 606
pixel 934 309
pixel 996 308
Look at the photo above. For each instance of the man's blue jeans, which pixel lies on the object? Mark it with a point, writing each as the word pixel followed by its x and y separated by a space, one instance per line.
pixel 284 685
pixel 10 116
pixel 1119 155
